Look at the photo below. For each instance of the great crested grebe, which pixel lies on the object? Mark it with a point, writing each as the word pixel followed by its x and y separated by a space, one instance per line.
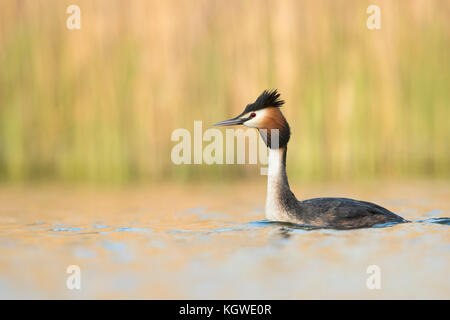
pixel 281 204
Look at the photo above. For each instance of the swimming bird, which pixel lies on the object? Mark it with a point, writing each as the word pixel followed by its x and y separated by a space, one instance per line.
pixel 281 204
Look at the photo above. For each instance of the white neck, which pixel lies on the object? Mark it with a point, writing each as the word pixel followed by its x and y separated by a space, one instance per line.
pixel 276 180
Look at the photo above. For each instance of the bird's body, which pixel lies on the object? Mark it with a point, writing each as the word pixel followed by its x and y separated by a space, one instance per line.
pixel 342 213
pixel 281 203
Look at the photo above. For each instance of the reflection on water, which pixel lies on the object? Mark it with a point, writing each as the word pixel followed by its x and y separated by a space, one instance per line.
pixel 211 242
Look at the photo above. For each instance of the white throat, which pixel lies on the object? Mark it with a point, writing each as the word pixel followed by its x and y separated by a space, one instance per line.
pixel 274 208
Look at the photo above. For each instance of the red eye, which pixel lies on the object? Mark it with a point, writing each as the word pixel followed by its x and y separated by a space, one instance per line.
pixel 252 115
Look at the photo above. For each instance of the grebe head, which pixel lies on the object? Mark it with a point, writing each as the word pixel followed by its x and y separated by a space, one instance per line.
pixel 264 114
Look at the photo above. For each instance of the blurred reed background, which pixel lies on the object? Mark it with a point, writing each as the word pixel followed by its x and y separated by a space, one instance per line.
pixel 99 104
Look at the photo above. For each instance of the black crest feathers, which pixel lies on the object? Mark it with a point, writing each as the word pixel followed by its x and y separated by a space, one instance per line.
pixel 266 99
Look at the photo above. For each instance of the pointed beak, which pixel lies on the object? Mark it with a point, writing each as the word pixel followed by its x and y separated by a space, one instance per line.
pixel 231 122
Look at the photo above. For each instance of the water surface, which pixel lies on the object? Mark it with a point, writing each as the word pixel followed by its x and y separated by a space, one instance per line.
pixel 208 242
